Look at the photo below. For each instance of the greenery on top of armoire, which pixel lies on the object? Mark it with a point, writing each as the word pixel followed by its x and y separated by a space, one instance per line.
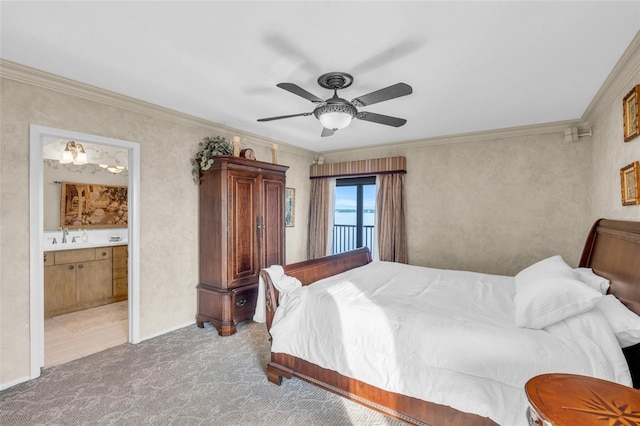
pixel 208 149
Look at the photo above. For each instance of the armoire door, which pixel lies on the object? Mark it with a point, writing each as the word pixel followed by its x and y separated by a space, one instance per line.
pixel 243 252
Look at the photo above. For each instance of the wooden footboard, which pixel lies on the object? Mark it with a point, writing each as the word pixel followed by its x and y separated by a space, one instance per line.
pixel 410 410
pixel 313 270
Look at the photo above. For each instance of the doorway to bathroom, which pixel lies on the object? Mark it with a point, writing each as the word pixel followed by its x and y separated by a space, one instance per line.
pixel 84 298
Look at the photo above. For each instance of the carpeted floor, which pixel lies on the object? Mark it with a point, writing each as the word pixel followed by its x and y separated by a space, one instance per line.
pixel 187 377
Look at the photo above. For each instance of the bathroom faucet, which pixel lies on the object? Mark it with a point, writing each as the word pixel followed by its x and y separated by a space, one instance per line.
pixel 65 232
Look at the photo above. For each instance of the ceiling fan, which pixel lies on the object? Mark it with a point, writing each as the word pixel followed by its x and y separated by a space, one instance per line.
pixel 336 113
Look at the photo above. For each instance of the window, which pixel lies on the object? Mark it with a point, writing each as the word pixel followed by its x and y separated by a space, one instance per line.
pixel 354 215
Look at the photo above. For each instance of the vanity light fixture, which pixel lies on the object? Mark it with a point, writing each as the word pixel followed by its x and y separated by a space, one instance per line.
pixel 113 169
pixel 74 153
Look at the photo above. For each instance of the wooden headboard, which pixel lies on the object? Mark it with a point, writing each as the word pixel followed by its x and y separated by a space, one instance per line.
pixel 612 250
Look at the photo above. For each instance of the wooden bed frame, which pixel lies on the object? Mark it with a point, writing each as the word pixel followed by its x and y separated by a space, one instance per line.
pixel 612 249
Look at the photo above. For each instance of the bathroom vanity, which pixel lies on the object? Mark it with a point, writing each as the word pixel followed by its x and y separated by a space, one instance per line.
pixel 77 279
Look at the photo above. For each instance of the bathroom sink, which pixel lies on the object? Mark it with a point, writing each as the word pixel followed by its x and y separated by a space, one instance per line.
pixel 95 238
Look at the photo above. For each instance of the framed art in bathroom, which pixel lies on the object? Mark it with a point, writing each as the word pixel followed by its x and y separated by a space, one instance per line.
pixel 629 184
pixel 89 205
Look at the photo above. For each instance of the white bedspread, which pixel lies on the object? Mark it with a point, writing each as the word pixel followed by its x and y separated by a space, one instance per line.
pixel 442 336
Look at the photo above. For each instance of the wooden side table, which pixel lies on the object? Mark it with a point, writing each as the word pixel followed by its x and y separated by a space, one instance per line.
pixel 568 400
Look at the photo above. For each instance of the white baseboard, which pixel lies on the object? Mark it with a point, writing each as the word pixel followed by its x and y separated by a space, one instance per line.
pixel 8 385
pixel 169 330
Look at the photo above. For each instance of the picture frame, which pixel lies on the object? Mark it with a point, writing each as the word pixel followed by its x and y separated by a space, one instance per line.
pixel 90 205
pixel 289 207
pixel 630 184
pixel 631 114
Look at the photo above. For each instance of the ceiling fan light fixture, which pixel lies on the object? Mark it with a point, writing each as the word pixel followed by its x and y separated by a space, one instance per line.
pixel 335 116
pixel 336 113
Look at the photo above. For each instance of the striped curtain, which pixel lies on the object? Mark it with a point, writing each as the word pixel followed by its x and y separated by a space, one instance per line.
pixel 390 213
pixel 320 209
pixel 359 167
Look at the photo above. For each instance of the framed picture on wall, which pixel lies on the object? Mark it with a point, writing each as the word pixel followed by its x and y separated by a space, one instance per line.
pixel 629 182
pixel 289 207
pixel 630 115
pixel 88 205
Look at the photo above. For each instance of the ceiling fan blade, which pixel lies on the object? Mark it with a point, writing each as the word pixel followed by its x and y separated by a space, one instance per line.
pixel 297 90
pixel 304 114
pixel 387 56
pixel 391 92
pixel 286 49
pixel 382 119
pixel 327 132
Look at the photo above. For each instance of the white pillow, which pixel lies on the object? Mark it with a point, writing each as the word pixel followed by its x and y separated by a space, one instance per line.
pixel 548 292
pixel 625 324
pixel 596 282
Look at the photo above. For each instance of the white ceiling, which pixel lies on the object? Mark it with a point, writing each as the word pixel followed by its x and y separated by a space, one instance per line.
pixel 473 65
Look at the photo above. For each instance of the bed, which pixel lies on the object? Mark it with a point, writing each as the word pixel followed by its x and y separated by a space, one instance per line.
pixel 611 251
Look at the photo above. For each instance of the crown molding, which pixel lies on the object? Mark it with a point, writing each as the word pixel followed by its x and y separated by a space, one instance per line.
pixel 34 77
pixel 31 76
pixel 512 132
pixel 620 80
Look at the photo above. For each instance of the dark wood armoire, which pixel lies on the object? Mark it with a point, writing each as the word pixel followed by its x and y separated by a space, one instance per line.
pixel 241 231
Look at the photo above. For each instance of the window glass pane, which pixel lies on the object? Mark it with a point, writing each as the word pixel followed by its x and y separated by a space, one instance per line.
pixel 345 205
pixel 349 212
pixel 369 205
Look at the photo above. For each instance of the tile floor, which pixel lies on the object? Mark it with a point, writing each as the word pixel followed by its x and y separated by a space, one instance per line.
pixel 62 345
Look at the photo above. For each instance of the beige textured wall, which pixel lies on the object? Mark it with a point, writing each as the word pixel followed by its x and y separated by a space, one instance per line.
pixel 495 204
pixel 168 206
pixel 298 179
pixel 610 152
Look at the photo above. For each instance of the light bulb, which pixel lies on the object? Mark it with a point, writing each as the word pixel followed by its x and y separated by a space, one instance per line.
pixel 81 158
pixel 67 157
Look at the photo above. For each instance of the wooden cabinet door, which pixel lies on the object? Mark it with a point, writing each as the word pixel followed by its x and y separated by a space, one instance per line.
pixel 120 287
pixel 94 281
pixel 120 252
pixel 59 287
pixel 242 241
pixel 272 238
pixel 120 271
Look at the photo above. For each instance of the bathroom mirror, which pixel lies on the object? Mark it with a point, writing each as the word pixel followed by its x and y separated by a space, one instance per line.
pixel 104 165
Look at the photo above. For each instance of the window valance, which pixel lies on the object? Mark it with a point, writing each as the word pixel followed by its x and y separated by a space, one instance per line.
pixel 374 166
